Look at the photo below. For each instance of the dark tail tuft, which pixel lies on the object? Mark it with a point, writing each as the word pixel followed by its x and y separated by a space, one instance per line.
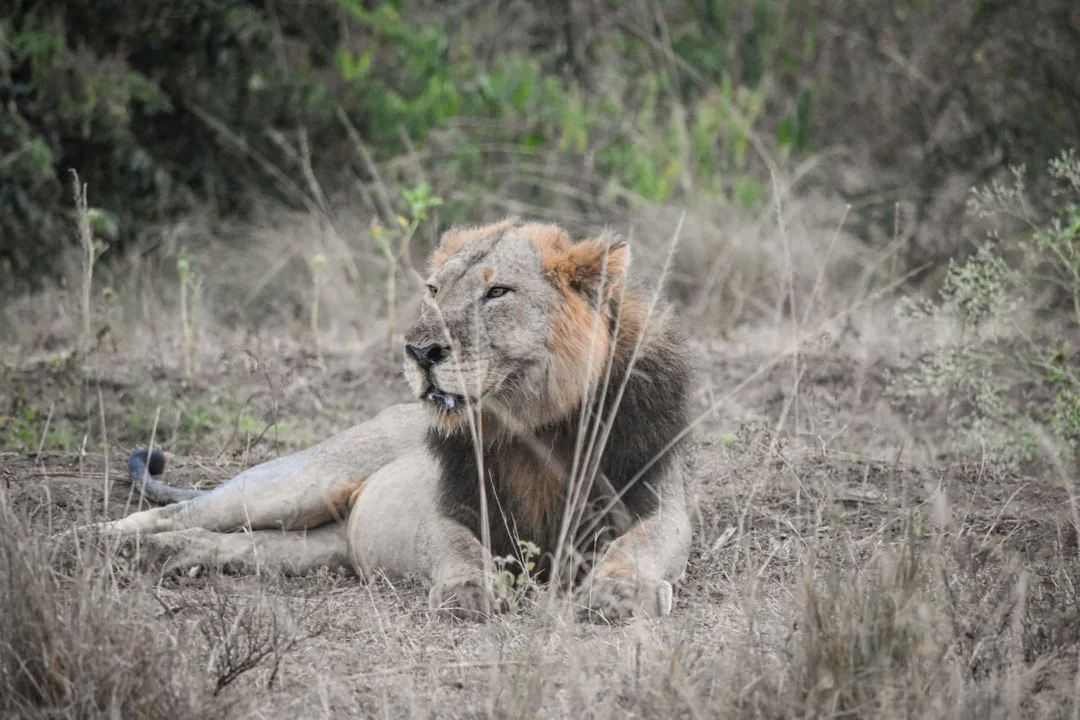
pixel 138 464
pixel 145 468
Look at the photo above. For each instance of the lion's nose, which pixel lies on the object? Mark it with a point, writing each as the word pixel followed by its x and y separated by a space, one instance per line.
pixel 428 355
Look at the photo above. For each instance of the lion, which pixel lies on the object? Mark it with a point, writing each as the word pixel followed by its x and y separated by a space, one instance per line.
pixel 551 404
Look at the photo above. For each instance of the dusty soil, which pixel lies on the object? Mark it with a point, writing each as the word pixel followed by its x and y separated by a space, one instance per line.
pixel 806 470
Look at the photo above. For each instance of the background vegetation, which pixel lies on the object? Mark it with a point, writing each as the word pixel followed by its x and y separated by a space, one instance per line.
pixel 874 213
pixel 215 106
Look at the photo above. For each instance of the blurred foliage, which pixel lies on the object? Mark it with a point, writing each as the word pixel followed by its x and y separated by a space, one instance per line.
pixel 166 107
pixel 997 394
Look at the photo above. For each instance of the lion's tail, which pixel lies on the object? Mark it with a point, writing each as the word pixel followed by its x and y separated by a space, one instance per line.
pixel 145 468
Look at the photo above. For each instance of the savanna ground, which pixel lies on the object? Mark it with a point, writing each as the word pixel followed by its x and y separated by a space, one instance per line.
pixel 886 403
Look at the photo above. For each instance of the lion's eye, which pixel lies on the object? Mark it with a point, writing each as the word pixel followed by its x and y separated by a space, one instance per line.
pixel 433 290
pixel 496 291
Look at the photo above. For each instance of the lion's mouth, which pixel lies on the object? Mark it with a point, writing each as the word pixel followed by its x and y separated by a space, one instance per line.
pixel 448 402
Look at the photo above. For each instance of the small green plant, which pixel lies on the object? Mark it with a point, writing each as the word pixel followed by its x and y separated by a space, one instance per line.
pixel 515 575
pixel 1065 378
pixel 204 424
pixel 20 431
pixel 989 389
pixel 394 244
pixel 1056 241
pixel 1061 238
pixel 29 431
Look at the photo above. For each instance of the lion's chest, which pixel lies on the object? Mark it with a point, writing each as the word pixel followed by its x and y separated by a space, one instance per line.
pixel 530 491
pixel 529 483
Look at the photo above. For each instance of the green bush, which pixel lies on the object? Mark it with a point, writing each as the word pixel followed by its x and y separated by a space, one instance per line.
pixel 121 92
pixel 164 107
pixel 999 382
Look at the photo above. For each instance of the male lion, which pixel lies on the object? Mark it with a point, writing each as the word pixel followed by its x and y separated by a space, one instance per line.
pixel 539 369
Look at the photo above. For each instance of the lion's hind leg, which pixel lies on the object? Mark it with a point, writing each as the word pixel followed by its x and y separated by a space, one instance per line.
pixel 276 551
pixel 145 522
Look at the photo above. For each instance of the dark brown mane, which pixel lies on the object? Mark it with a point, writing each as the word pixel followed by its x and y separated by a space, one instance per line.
pixel 527 477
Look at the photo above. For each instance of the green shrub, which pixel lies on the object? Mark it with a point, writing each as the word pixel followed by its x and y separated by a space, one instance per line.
pixel 1000 381
pixel 163 107
pixel 160 106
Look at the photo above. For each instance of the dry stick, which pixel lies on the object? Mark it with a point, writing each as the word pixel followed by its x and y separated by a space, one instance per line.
pixel 385 208
pixel 587 468
pixel 589 422
pixel 824 266
pixel 391 299
pixel 410 152
pixel 276 267
pixel 86 237
pixel 236 426
pixel 273 401
pixel 309 173
pixel 242 145
pixel 476 433
pixel 576 478
pixel 597 446
pixel 149 452
pixel 383 197
pixel 184 268
pixel 640 340
pixel 105 446
pixel 403 255
pixel 317 264
pixel 792 400
pixel 889 250
pixel 585 465
pixel 82 454
pixel 324 205
pixel 45 432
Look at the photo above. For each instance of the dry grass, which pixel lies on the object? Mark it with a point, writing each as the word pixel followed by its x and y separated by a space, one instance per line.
pixel 840 567
pixel 76 639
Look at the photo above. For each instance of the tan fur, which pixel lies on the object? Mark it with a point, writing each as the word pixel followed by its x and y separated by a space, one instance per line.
pixel 382 477
pixel 355 495
pixel 456 238
pixel 579 341
pixel 580 263
pixel 580 338
pixel 577 336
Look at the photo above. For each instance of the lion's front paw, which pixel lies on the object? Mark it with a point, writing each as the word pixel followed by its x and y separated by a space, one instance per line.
pixel 467 598
pixel 611 599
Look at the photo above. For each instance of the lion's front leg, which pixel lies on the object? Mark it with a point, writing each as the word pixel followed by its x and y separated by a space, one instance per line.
pixel 635 575
pixel 459 570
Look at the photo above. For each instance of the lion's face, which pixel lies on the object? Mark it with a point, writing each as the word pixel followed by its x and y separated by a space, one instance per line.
pixel 514 323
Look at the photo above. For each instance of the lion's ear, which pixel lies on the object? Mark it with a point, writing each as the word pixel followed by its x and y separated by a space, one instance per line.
pixel 599 264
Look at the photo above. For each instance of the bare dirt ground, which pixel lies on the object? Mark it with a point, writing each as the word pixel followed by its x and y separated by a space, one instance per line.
pixel 840 566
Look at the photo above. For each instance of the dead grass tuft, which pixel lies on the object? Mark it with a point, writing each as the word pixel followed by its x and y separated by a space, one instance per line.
pixel 76 639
